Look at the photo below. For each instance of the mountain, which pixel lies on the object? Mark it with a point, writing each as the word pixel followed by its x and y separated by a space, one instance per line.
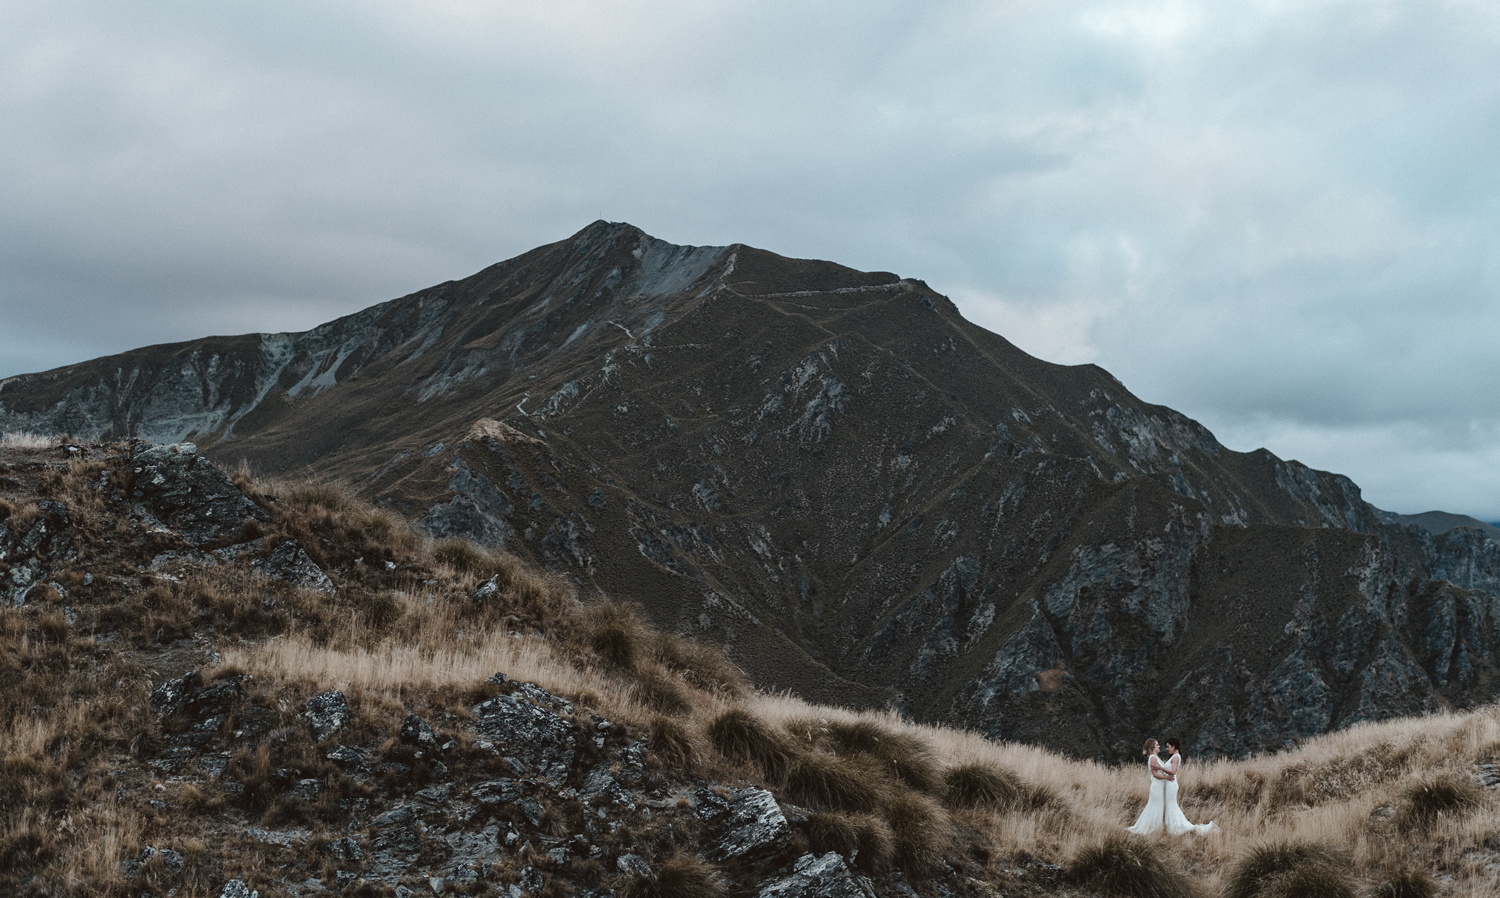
pixel 866 498
pixel 1440 522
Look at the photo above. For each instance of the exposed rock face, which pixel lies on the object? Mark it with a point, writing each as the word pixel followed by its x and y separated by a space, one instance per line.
pixel 865 497
pixel 188 493
pixel 326 713
pixel 540 738
pixel 819 877
pixel 754 828
pixel 288 562
pixel 30 549
pixel 236 888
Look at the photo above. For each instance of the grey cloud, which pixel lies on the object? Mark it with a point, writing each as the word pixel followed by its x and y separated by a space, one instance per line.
pixel 1278 218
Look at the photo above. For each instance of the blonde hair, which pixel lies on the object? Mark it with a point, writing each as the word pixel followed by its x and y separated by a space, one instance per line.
pixel 1146 749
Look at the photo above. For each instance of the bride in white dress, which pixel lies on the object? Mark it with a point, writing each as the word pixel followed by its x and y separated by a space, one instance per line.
pixel 1161 811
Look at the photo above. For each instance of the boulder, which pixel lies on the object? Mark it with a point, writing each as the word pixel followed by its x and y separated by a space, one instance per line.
pixel 819 877
pixel 172 694
pixel 754 828
pixel 346 757
pixel 326 713
pixel 541 737
pixel 496 792
pixel 416 731
pixel 289 563
pixel 194 710
pixel 487 592
pixel 188 493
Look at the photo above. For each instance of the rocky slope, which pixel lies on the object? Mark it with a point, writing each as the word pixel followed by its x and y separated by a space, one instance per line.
pixel 865 497
pixel 134 761
pixel 222 687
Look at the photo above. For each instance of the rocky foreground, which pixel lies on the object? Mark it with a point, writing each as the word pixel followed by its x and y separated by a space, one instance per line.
pixel 141 763
pixel 526 797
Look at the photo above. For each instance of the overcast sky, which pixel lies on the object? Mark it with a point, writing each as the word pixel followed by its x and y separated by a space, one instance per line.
pixel 1281 218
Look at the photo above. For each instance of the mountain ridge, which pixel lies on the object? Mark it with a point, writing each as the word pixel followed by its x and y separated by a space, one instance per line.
pixel 865 497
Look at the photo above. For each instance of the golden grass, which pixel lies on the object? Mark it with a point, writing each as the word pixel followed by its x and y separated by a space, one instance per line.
pixel 56 821
pixel 24 439
pixel 1328 791
pixel 393 669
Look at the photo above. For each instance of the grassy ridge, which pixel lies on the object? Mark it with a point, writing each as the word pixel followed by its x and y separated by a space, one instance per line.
pixel 418 625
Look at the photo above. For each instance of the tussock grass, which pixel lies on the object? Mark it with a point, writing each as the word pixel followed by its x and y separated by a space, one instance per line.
pixel 863 839
pixel 674 743
pixel 1311 882
pixel 905 756
pixel 829 781
pixel 660 689
pixel 466 557
pixel 20 517
pixel 1407 884
pixel 616 633
pixel 742 736
pixel 989 786
pixel 1124 866
pixel 680 876
pixel 1424 802
pixel 702 665
pixel 1279 867
pixel 921 833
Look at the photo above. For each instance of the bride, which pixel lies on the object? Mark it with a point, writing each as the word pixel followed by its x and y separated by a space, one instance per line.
pixel 1161 811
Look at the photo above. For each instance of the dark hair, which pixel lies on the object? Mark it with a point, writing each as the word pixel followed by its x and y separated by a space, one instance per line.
pixel 1146 749
pixel 1174 744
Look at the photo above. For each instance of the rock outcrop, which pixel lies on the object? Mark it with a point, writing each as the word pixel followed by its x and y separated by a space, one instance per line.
pixel 188 494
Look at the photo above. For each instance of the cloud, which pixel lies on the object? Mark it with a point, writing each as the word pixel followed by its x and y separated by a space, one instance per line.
pixel 1279 218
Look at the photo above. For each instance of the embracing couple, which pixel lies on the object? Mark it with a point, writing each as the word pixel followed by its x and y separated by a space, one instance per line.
pixel 1162 812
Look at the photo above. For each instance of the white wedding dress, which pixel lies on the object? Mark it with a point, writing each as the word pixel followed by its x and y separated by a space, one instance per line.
pixel 1161 812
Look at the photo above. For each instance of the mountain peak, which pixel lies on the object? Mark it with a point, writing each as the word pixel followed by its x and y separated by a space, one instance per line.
pixel 600 229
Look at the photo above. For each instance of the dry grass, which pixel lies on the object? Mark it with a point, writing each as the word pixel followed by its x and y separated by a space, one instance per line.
pixel 836 782
pixel 1283 868
pixel 1407 884
pixel 21 439
pixel 21 517
pixel 1124 866
pixel 1425 802
pixel 681 876
pixel 396 670
pixel 676 745
pixel 864 838
pixel 1330 791
pixel 921 833
pixel 60 828
pixel 740 735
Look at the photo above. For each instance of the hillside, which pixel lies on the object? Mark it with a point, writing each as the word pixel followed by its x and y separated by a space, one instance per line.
pixel 1440 522
pixel 218 687
pixel 861 496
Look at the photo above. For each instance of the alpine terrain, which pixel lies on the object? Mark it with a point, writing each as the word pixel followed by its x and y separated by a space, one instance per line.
pixel 863 497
